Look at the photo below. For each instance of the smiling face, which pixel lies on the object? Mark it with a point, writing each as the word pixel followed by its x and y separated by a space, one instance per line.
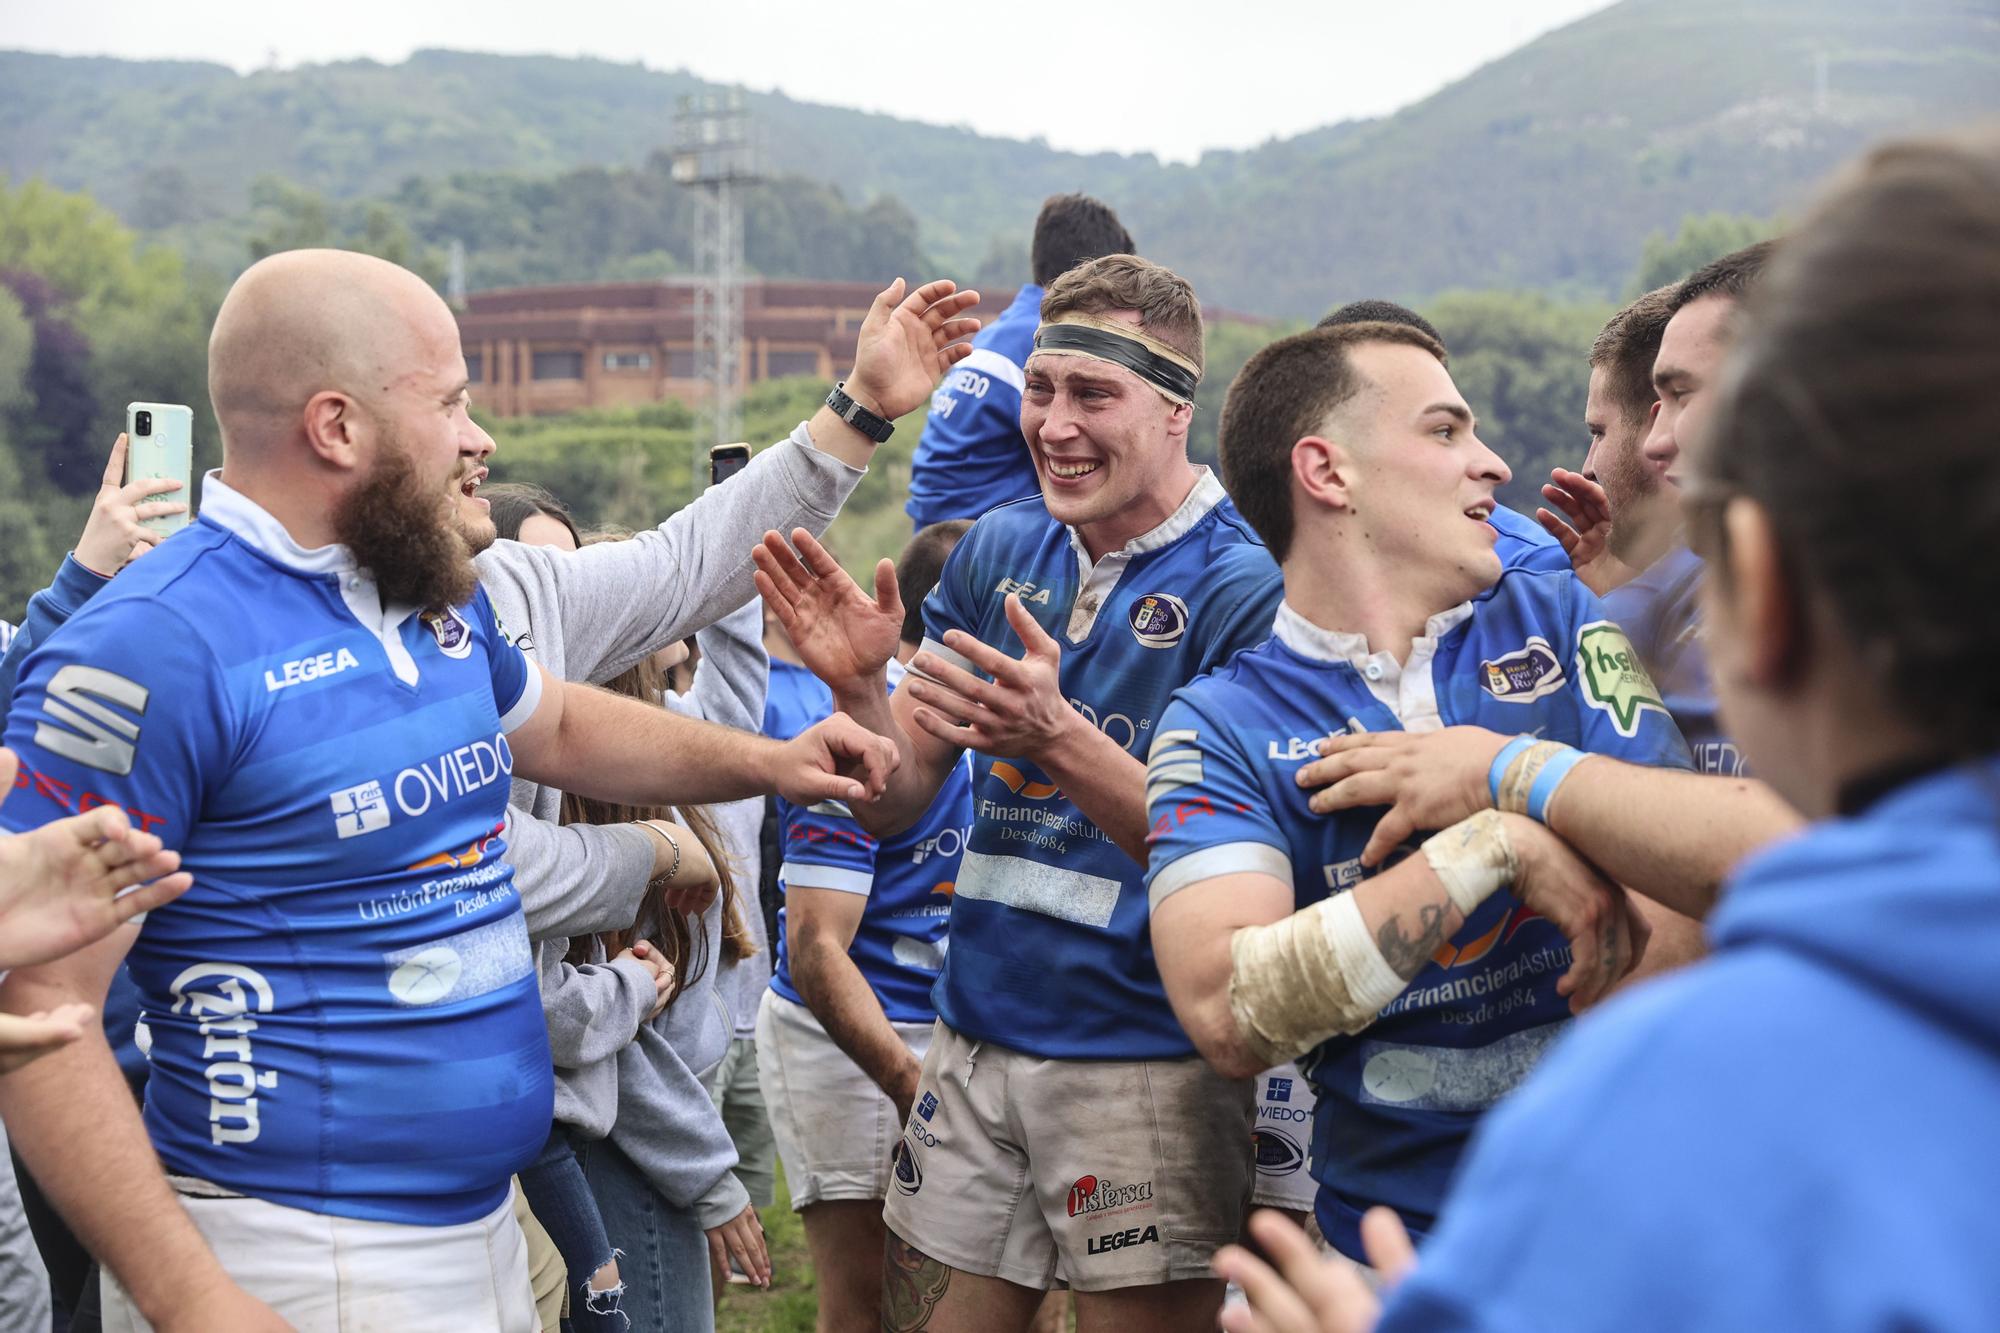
pixel 1420 482
pixel 1109 450
pixel 427 411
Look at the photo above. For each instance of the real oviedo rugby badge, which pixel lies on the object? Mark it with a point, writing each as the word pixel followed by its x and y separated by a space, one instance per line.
pixel 1531 673
pixel 1159 619
pixel 454 636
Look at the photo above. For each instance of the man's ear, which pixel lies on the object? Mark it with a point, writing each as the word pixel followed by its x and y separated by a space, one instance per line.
pixel 334 427
pixel 1322 470
pixel 1765 606
pixel 1180 421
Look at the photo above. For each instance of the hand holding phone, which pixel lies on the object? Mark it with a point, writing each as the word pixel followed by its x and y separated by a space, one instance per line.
pixel 160 447
pixel 725 461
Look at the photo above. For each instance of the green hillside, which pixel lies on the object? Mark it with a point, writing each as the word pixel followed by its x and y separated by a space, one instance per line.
pixel 1546 168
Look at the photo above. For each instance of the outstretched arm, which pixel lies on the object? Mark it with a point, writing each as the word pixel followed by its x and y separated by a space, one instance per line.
pixel 598 744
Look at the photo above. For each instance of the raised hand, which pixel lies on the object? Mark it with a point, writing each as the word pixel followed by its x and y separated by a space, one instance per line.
pixel 62 886
pixel 907 343
pixel 115 534
pixel 1308 1292
pixel 840 634
pixel 1021 711
pixel 1586 535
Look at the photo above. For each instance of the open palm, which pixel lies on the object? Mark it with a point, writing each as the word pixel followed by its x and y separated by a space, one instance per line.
pixel 840 633
pixel 906 344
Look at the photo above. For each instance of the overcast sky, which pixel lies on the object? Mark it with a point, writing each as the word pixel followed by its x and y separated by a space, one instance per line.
pixel 1170 76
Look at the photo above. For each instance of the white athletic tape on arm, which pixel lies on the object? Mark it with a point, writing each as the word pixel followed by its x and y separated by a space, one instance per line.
pixel 1296 982
pixel 1474 858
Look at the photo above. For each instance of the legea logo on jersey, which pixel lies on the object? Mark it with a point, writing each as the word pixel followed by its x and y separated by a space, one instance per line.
pixel 307 669
pixel 358 810
pixel 1532 673
pixel 1159 619
pixel 448 627
pixel 1029 594
pixel 224 997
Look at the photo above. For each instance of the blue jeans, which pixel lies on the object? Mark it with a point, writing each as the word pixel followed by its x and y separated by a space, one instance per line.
pixel 563 1204
pixel 665 1260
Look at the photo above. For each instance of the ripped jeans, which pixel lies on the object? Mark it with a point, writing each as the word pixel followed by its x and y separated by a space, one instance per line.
pixel 567 1210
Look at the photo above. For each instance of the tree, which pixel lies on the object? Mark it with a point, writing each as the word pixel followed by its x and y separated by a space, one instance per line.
pixel 1702 237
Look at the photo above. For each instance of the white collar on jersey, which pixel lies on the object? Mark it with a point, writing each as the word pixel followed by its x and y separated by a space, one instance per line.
pixel 230 508
pixel 1404 688
pixel 1095 581
pixel 254 524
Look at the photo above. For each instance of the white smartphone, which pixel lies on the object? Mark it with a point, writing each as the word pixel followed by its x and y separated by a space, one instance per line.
pixel 159 442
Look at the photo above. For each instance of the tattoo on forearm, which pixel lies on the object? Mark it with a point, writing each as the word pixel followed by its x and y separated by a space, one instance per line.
pixel 912 1285
pixel 1404 954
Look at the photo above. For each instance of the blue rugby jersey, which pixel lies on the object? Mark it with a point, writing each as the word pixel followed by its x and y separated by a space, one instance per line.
pixel 1661 609
pixel 972 455
pixel 1525 544
pixel 908 881
pixel 796 699
pixel 343 1009
pixel 1049 949
pixel 1533 654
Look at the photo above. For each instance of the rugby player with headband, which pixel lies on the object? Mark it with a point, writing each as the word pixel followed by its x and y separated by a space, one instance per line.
pixel 1064 1127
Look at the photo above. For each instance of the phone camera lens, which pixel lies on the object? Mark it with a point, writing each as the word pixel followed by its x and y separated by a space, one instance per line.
pixel 142 423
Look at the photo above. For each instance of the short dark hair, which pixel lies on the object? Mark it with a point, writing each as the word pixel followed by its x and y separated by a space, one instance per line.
pixel 918 567
pixel 1627 346
pixel 1734 275
pixel 1374 310
pixel 513 503
pixel 1862 390
pixel 1071 229
pixel 1283 394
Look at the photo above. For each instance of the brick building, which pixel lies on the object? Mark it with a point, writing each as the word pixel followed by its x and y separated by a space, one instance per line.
pixel 534 350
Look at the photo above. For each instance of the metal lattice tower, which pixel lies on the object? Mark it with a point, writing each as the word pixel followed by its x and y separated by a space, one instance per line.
pixel 715 156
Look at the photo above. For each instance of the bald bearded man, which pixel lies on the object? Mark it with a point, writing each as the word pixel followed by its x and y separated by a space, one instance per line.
pixel 307 693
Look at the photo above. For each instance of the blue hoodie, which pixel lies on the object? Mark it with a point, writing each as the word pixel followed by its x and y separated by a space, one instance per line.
pixel 1795 1134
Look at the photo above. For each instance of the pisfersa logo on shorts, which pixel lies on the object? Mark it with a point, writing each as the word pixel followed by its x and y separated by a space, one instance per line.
pixel 908 1171
pixel 1091 1195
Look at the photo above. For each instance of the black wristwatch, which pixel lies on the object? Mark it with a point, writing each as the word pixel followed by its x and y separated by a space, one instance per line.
pixel 878 429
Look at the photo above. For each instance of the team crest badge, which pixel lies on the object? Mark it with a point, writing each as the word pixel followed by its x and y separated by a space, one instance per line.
pixel 1614 680
pixel 1531 673
pixel 1159 619
pixel 448 627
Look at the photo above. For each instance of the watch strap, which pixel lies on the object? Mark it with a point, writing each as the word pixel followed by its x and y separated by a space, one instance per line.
pixel 876 428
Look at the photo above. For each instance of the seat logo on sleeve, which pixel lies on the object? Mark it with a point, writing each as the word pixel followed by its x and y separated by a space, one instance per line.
pixel 81 726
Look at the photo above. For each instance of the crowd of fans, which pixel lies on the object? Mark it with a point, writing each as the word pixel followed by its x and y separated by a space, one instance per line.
pixel 423 913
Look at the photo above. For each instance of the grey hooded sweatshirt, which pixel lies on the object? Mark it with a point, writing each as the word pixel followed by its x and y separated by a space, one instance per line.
pixel 587 616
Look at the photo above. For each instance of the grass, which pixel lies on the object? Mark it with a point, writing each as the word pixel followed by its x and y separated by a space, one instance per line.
pixel 792 1303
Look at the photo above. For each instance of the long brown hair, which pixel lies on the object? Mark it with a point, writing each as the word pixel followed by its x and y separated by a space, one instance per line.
pixel 676 935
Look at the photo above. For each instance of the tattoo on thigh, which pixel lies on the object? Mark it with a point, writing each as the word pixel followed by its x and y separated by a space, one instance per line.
pixel 912 1285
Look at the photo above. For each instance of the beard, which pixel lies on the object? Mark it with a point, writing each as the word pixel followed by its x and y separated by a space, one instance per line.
pixel 407 538
pixel 1632 490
